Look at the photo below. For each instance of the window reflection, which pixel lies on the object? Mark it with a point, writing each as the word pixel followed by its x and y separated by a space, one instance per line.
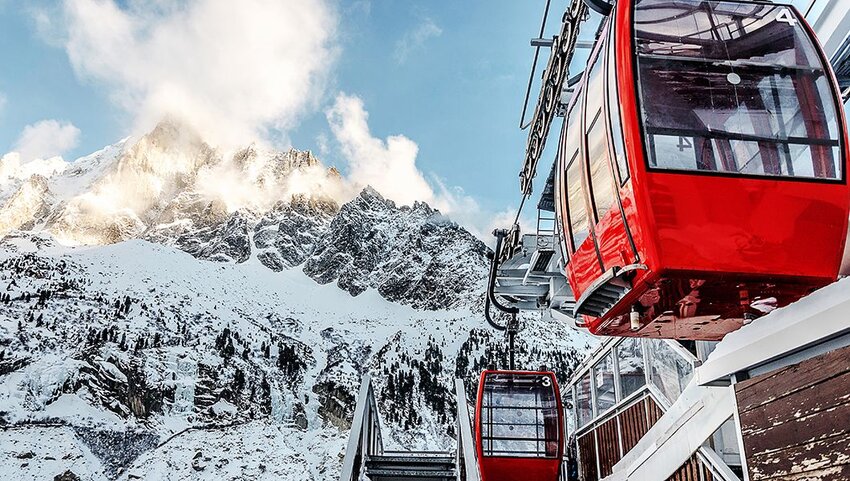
pixel 603 376
pixel 584 403
pixel 669 371
pixel 732 87
pixel 630 364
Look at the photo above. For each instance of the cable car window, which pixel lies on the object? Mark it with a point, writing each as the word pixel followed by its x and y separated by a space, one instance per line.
pixel 734 87
pixel 519 416
pixel 601 178
pixel 584 403
pixel 614 107
pixel 579 226
pixel 576 210
pixel 603 383
pixel 630 365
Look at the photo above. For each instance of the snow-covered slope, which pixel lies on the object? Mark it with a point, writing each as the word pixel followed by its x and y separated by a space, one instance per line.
pixel 169 312
pixel 128 344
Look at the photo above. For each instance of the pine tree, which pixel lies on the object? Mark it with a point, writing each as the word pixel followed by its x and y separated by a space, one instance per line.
pixel 229 350
pixel 238 381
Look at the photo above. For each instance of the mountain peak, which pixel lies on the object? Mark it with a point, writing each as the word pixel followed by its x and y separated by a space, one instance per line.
pixel 171 131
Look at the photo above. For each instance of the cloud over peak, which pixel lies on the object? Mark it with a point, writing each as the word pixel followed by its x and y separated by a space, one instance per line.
pixel 45 139
pixel 236 71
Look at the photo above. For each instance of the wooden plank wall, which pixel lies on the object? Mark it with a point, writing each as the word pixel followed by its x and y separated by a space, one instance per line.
pixel 587 457
pixel 634 422
pixel 693 470
pixel 795 421
pixel 609 446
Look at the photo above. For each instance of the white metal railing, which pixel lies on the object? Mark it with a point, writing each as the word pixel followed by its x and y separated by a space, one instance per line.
pixel 467 466
pixel 666 369
pixel 365 437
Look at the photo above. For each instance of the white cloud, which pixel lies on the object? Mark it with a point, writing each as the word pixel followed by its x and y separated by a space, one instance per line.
pixel 3 101
pixel 45 139
pixel 387 165
pixel 233 70
pixel 414 39
pixel 390 167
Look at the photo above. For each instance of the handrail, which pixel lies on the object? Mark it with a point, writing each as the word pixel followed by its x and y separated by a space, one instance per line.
pixel 365 436
pixel 467 467
pixel 719 469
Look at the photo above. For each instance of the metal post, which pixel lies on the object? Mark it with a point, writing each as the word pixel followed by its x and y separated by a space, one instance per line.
pixel 512 329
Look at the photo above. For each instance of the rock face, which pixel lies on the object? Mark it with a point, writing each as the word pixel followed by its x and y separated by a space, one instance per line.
pixel 28 206
pixel 172 188
pixel 290 232
pixel 409 254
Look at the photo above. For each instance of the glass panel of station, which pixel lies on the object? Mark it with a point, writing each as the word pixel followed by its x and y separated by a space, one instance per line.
pixel 668 370
pixel 603 377
pixel 631 366
pixel 629 384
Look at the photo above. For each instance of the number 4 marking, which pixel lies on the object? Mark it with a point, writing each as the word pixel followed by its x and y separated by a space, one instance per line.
pixel 684 143
pixel 785 16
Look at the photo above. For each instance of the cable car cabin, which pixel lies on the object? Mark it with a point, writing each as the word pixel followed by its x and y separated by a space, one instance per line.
pixel 519 426
pixel 701 171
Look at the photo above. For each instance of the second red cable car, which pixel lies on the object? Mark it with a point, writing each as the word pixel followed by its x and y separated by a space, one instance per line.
pixel 701 172
pixel 519 426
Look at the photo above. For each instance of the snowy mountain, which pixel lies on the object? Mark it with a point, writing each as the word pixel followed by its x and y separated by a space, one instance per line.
pixel 171 312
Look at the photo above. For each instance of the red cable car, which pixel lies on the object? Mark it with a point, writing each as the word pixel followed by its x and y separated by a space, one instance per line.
pixel 701 172
pixel 519 426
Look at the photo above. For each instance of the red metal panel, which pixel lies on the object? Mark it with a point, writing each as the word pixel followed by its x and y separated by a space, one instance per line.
pixel 506 468
pixel 712 243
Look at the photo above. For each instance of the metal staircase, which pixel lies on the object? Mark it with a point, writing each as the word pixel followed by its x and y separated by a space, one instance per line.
pixel 404 465
pixel 365 454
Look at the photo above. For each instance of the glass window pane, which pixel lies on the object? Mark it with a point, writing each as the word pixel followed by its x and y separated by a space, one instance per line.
pixel 575 189
pixel 575 197
pixel 603 377
pixel 584 405
pixel 614 109
pixel 669 371
pixel 630 364
pixel 519 416
pixel 729 87
pixel 601 178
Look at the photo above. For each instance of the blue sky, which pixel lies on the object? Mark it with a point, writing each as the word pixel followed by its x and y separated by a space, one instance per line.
pixel 450 76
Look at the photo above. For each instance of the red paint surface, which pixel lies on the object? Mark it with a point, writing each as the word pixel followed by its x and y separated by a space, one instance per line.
pixel 735 238
pixel 504 468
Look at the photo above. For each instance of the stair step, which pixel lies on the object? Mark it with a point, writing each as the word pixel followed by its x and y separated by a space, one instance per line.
pixel 377 473
pixel 411 459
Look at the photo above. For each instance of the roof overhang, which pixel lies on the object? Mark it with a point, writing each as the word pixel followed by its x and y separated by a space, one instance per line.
pixel 819 319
